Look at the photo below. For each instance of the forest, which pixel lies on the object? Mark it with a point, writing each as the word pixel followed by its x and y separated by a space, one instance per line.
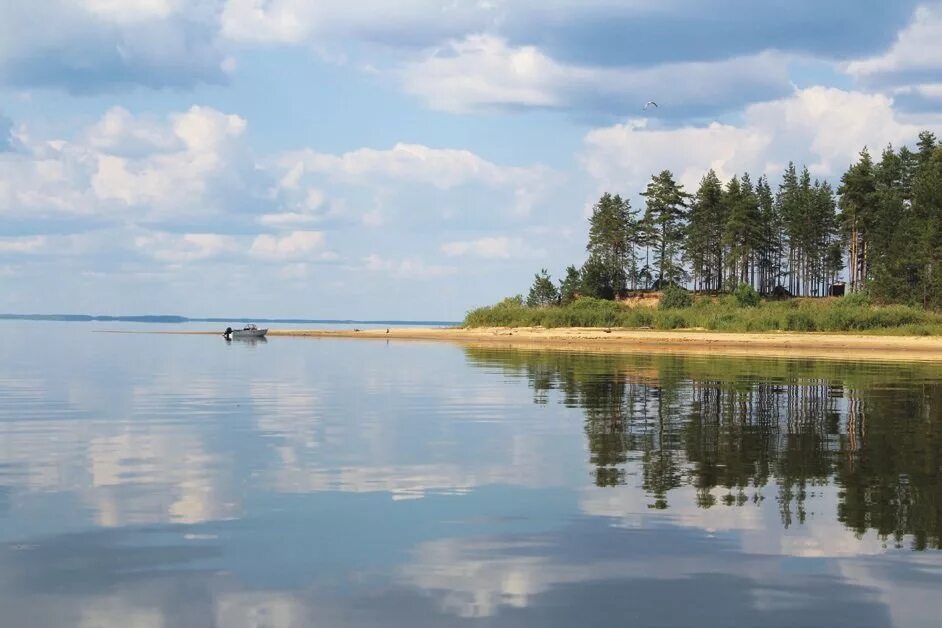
pixel 879 232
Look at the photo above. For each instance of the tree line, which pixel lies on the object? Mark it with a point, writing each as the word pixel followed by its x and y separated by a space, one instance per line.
pixel 880 231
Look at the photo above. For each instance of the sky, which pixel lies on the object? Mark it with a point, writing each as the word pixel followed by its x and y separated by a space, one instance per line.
pixel 409 159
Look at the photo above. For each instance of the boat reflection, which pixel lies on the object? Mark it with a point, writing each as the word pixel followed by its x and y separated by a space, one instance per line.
pixel 246 340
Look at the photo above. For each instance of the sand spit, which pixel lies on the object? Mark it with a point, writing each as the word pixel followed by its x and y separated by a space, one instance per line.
pixel 586 339
pixel 794 344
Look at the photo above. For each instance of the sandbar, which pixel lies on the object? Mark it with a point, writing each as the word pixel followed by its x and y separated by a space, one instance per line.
pixel 790 344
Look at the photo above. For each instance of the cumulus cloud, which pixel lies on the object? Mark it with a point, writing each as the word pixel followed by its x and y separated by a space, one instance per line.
pixel 409 268
pixel 644 33
pixel 182 248
pixel 171 248
pixel 822 127
pixel 28 244
pixel 406 23
pixel 184 166
pixel 131 10
pixel 408 181
pixel 295 245
pixel 497 247
pixel 925 99
pixel 591 56
pixel 205 142
pixel 120 133
pixel 596 32
pixel 46 178
pixel 915 57
pixel 613 53
pixel 484 72
pixel 442 168
pixel 96 45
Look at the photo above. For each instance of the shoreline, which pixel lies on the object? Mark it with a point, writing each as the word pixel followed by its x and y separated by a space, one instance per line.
pixel 769 344
pixel 598 340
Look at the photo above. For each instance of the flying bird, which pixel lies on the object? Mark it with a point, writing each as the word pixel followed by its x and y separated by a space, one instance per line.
pixel 648 104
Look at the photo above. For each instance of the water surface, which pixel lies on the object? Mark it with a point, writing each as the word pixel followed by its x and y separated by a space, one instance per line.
pixel 155 480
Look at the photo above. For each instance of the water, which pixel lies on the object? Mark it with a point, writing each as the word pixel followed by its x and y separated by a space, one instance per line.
pixel 155 480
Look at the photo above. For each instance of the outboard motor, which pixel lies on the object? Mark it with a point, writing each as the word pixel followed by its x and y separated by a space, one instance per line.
pixel 227 333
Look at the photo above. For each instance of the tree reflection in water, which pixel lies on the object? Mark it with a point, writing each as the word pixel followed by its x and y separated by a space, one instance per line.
pixel 874 430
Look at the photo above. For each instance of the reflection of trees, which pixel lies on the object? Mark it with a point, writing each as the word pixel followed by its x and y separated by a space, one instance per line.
pixel 890 475
pixel 741 425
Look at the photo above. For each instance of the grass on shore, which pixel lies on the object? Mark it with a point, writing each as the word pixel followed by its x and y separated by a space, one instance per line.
pixel 849 314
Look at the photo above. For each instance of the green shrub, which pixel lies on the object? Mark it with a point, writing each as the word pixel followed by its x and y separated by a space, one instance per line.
pixel 675 298
pixel 746 295
pixel 720 314
pixel 799 321
pixel 672 319
pixel 856 299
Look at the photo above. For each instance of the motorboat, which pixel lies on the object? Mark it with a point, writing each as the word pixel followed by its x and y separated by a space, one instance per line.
pixel 249 331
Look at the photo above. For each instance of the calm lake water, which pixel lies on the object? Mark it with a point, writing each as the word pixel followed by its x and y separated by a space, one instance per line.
pixel 153 480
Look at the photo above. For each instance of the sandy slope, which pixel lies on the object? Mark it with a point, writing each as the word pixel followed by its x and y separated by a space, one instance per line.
pixel 591 339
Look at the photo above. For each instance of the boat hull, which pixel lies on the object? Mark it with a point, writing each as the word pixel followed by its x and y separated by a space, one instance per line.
pixel 249 333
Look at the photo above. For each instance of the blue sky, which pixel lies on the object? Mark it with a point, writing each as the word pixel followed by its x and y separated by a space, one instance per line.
pixel 414 159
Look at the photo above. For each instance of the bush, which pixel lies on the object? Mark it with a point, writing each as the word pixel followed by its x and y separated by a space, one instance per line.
pixel 720 314
pixel 675 298
pixel 746 295
pixel 671 320
pixel 799 321
pixel 856 299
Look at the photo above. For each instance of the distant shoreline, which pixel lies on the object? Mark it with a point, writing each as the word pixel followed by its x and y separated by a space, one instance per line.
pixel 767 344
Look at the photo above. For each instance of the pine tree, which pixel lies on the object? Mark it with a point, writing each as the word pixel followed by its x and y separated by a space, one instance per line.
pixel 927 209
pixel 787 203
pixel 665 212
pixel 742 229
pixel 770 238
pixel 570 285
pixel 858 198
pixel 613 236
pixel 543 291
pixel 704 246
pixel 596 281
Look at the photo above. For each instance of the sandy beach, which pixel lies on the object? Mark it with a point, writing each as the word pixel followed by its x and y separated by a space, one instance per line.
pixel 845 346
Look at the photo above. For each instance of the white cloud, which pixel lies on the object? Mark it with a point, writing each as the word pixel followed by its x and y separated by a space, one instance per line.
pixel 46 178
pixel 294 21
pixel 185 165
pixel 183 248
pixel 917 50
pixel 482 72
pixel 288 219
pixel 368 185
pixel 119 132
pixel 96 45
pixel 29 244
pixel 822 127
pixel 264 21
pixel 409 268
pixel 443 168
pixel 295 245
pixel 497 247
pixel 931 91
pixel 174 181
pixel 131 10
